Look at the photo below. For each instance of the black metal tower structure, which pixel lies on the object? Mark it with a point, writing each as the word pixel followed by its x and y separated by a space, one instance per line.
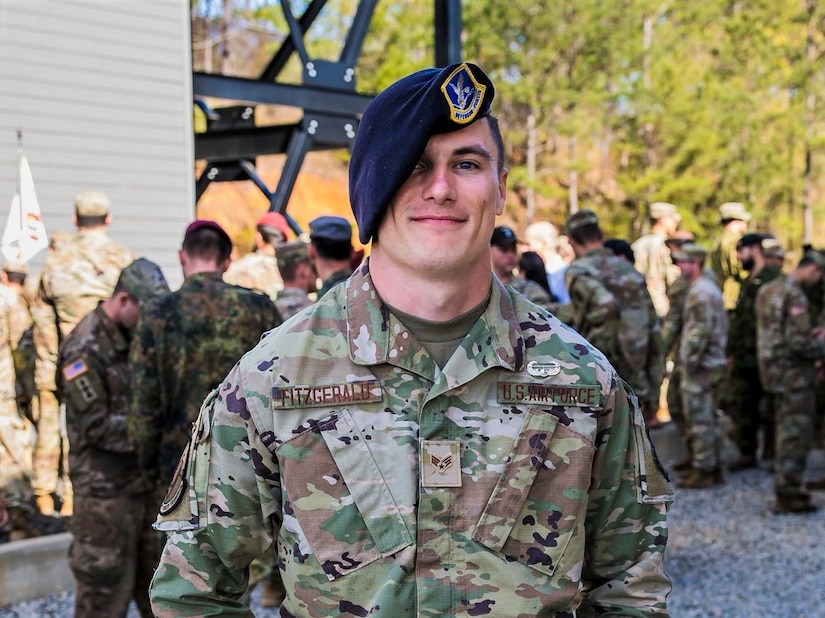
pixel 331 107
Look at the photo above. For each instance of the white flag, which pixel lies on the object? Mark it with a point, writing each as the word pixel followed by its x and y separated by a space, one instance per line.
pixel 25 234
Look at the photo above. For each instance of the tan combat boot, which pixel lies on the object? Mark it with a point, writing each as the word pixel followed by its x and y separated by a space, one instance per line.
pixel 67 508
pixel 45 504
pixel 697 478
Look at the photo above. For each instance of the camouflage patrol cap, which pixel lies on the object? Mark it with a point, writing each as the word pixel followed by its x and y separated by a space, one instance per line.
pixel 660 210
pixel 92 203
pixel 771 248
pixel 396 126
pixel 579 219
pixel 816 258
pixel 290 253
pixel 19 268
pixel 733 210
pixel 690 252
pixel 143 280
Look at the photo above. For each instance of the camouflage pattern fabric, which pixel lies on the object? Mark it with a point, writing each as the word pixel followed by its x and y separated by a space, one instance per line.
pixel 15 455
pixel 508 483
pixel 787 353
pixel 744 387
pixel 532 291
pixel 653 260
pixel 290 301
pixel 702 366
pixel 82 270
pixel 184 345
pixel 257 271
pixel 611 308
pixel 109 553
pixel 334 279
pixel 726 266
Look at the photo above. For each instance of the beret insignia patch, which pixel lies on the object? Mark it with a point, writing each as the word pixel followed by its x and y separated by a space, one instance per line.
pixel 463 93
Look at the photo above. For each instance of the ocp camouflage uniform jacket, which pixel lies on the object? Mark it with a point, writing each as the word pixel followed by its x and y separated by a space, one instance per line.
pixel 704 328
pixel 184 345
pixel 653 260
pixel 786 348
pixel 532 291
pixel 318 438
pixel 93 378
pixel 75 277
pixel 290 301
pixel 742 336
pixel 612 309
pixel 256 271
pixel 725 264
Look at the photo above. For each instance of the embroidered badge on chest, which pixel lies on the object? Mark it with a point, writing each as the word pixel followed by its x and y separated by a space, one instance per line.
pixel 440 463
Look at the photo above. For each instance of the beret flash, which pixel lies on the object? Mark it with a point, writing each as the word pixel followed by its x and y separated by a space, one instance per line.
pixel 398 123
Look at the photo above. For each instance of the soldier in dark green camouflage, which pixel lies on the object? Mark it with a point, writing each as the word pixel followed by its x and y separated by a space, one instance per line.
pixel 185 343
pixel 789 348
pixel 114 549
pixel 422 441
pixel 744 387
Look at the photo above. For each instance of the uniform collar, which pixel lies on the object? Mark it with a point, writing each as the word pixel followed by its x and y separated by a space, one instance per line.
pixel 375 336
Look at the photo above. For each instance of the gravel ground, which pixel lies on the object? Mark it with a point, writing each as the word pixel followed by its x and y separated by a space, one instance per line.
pixel 728 556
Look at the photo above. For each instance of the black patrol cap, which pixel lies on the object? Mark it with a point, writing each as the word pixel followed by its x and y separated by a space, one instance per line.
pixel 503 237
pixel 749 240
pixel 398 123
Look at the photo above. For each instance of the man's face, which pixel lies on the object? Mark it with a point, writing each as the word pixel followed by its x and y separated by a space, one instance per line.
pixel 503 260
pixel 745 257
pixel 687 268
pixel 442 217
pixel 128 313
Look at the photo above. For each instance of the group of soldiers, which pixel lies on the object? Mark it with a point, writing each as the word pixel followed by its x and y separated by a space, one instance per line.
pixel 104 371
pixel 733 343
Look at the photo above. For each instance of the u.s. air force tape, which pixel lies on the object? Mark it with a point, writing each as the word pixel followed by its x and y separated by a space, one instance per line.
pixel 577 395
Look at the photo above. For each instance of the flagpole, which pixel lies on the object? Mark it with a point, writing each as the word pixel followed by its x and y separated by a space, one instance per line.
pixel 20 181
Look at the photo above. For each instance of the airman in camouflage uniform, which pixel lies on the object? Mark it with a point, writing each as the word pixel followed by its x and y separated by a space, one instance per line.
pixel 111 552
pixel 184 345
pixel 504 258
pixel 746 405
pixel 723 261
pixel 505 471
pixel 788 349
pixel 702 366
pixel 612 309
pixel 652 255
pixel 299 278
pixel 258 270
pixel 79 272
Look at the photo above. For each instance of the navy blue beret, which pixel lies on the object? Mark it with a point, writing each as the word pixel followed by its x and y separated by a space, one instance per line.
pixel 329 227
pixel 398 123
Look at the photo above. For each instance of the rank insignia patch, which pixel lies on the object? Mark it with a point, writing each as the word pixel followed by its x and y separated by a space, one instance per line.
pixel 440 463
pixel 463 93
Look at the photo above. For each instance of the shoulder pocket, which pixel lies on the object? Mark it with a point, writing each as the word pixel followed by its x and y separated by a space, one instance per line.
pixel 337 494
pixel 537 507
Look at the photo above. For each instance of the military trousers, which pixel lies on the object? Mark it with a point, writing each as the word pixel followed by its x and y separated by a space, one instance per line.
pixel 700 397
pixel 15 453
pixel 113 554
pixel 795 412
pixel 51 448
pixel 746 409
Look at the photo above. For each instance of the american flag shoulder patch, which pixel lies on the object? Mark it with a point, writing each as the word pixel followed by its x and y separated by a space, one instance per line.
pixel 74 369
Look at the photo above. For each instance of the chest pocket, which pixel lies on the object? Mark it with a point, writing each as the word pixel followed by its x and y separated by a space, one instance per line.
pixel 535 514
pixel 337 494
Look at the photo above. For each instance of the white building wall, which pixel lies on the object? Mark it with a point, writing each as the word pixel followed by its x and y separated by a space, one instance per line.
pixel 102 92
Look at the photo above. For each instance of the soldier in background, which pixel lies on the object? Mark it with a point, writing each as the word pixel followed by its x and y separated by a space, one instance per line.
pixel 543 238
pixel 114 509
pixel 504 259
pixel 13 276
pixel 299 278
pixel 701 361
pixel 330 248
pixel 789 348
pixel 734 219
pixel 612 309
pixel 258 270
pixel 652 256
pixel 184 344
pixel 78 273
pixel 744 386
